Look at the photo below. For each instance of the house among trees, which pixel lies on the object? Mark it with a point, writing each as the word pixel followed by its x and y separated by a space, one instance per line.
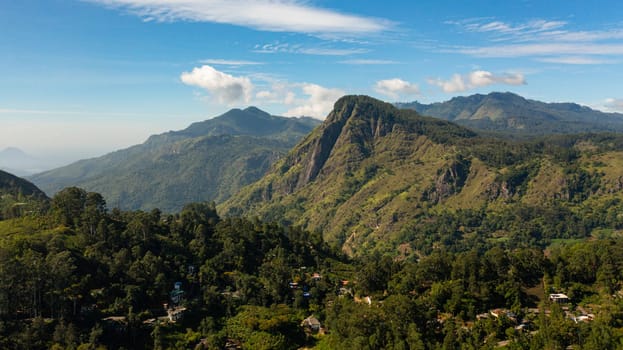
pixel 177 294
pixel 311 324
pixel 175 314
pixel 558 298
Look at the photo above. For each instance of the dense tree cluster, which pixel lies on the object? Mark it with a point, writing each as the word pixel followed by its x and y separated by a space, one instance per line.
pixel 82 276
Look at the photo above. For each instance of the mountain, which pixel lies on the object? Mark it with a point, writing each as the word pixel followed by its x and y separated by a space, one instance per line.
pixel 18 196
pixel 16 161
pixel 207 161
pixel 511 113
pixel 376 177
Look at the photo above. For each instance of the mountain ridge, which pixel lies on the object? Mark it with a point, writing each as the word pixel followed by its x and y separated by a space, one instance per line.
pixel 371 173
pixel 174 168
pixel 513 114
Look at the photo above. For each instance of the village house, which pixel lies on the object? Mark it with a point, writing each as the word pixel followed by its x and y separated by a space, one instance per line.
pixel 311 324
pixel 558 298
pixel 175 314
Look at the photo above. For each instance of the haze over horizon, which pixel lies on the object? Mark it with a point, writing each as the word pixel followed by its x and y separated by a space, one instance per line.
pixel 83 78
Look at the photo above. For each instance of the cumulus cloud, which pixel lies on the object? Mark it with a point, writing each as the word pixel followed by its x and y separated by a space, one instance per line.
pixel 302 99
pixel 318 103
pixel 225 87
pixel 296 16
pixel 614 105
pixel 394 88
pixel 476 79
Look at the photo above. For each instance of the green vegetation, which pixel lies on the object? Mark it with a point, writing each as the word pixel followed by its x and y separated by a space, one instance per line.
pixel 19 197
pixel 373 177
pixel 82 277
pixel 511 115
pixel 380 230
pixel 207 161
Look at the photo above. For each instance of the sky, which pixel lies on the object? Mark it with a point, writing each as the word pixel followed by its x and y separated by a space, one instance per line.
pixel 83 78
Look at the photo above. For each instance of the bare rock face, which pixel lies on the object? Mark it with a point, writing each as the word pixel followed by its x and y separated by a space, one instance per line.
pixel 322 146
pixel 450 180
pixel 352 128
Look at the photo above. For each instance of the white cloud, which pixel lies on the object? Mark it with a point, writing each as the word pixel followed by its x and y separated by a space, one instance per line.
pixel 319 51
pixel 367 62
pixel 218 61
pixel 476 79
pixel 531 27
pixel 318 103
pixel 394 88
pixel 545 49
pixel 614 105
pixel 545 41
pixel 302 99
pixel 278 47
pixel 576 60
pixel 225 87
pixel 268 15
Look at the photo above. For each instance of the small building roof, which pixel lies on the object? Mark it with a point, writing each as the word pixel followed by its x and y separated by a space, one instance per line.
pixel 310 321
pixel 558 296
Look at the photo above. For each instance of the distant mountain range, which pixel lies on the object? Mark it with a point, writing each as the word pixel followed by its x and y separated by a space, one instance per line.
pixel 371 175
pixel 511 113
pixel 207 161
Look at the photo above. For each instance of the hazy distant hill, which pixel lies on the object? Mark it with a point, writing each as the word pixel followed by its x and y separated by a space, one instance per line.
pixel 18 162
pixel 209 160
pixel 372 175
pixel 508 112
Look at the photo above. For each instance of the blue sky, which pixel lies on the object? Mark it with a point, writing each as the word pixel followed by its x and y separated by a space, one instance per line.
pixel 82 78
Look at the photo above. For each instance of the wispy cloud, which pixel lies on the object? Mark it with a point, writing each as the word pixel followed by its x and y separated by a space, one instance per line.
pixel 476 79
pixel 278 47
pixel 544 49
pixel 503 28
pixel 367 62
pixel 225 87
pixel 296 16
pixel 545 41
pixel 396 87
pixel 577 60
pixel 218 61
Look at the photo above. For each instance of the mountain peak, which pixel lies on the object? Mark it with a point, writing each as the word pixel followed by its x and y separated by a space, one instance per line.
pixel 209 160
pixel 13 152
pixel 252 110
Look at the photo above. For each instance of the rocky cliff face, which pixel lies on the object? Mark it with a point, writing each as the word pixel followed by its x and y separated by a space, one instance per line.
pixel 364 149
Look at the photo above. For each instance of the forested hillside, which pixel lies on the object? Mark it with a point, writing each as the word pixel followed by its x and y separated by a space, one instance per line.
pixel 515 116
pixel 19 197
pixel 381 229
pixel 207 161
pixel 374 177
pixel 84 277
